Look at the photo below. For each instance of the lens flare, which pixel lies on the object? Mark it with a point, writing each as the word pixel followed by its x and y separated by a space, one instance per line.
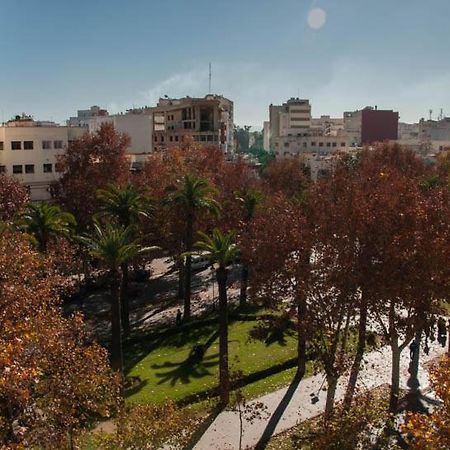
pixel 317 18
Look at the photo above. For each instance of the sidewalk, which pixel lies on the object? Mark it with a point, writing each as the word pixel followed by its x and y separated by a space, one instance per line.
pixel 294 406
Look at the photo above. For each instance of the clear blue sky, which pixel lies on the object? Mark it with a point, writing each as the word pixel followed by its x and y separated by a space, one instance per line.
pixel 60 56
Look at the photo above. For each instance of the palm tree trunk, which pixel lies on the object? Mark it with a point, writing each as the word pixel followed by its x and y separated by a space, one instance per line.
pixel 224 378
pixel 244 284
pixel 360 348
pixel 188 269
pixel 116 326
pixel 180 266
pixel 124 301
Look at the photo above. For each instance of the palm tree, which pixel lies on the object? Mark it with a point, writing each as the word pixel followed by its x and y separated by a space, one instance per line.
pixel 114 246
pixel 194 194
pixel 43 221
pixel 249 200
pixel 221 250
pixel 125 205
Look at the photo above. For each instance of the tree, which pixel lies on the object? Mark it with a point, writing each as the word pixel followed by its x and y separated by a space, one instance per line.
pixel 13 197
pixel 126 205
pixel 191 196
pixel 91 163
pixel 43 222
pixel 53 380
pixel 221 250
pixel 429 432
pixel 114 246
pixel 249 201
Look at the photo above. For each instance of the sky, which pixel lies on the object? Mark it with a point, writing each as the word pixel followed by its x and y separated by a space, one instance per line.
pixel 60 56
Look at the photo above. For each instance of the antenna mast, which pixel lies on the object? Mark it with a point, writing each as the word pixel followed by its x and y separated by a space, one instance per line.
pixel 209 85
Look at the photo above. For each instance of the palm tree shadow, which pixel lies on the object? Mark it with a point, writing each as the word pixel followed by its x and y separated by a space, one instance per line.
pixel 183 372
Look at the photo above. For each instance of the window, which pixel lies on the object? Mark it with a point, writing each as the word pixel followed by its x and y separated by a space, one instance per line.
pixel 58 144
pixel 171 138
pixel 328 144
pixel 29 168
pixel 304 144
pixel 16 145
pixel 156 138
pixel 2 169
pixel 17 169
pixel 209 138
pixel 286 144
pixel 334 144
pixel 320 144
pixel 313 144
pixel 46 145
pixel 1 145
pixel 47 168
pixel 342 144
pixel 176 138
pixel 162 138
pixel 28 145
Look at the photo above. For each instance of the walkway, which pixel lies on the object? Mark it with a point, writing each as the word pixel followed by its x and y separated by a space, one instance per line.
pixel 289 406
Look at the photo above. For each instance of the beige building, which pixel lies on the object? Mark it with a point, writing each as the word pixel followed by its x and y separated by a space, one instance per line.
pixel 28 151
pixel 208 120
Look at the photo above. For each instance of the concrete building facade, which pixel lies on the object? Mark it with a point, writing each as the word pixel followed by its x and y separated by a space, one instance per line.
pixel 29 150
pixel 208 120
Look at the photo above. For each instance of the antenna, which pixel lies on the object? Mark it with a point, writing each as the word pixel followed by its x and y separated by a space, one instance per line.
pixel 431 114
pixel 209 85
pixel 441 115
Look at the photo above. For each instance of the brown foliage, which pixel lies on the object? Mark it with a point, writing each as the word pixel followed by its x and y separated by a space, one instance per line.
pixel 91 163
pixel 13 197
pixel 52 381
pixel 430 432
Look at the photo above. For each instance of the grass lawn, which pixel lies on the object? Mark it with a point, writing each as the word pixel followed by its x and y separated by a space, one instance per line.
pixel 165 370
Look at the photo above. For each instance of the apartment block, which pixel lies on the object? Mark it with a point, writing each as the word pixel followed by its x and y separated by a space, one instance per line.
pixel 208 120
pixel 29 150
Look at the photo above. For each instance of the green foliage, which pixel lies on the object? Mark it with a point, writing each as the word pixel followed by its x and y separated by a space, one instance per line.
pixel 264 157
pixel 43 221
pixel 125 204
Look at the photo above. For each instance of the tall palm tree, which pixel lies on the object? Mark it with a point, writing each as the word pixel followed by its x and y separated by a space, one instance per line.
pixel 249 200
pixel 126 205
pixel 43 221
pixel 113 246
pixel 193 195
pixel 221 251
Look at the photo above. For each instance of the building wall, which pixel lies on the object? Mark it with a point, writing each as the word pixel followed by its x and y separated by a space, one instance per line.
pixel 138 127
pixel 35 158
pixel 378 126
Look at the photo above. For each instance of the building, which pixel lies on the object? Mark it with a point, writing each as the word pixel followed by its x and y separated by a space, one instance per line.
pixel 137 125
pixel 208 120
pixel 292 131
pixel 29 150
pixel 370 125
pixel 84 116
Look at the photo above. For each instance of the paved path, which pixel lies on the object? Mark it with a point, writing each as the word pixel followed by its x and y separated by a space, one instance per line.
pixel 294 404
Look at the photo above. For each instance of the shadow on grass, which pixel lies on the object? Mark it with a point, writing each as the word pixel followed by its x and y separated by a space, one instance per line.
pixel 183 372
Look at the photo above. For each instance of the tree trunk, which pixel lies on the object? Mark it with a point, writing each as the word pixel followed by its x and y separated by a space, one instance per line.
pixel 124 301
pixel 361 346
pixel 244 284
pixel 188 270
pixel 301 341
pixel 332 381
pixel 395 376
pixel 116 328
pixel 180 266
pixel 224 378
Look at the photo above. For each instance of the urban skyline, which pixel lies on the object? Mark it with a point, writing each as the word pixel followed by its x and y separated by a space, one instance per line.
pixel 342 57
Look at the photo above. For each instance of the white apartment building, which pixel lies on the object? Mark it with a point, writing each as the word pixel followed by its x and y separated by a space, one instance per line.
pixel 292 131
pixel 137 125
pixel 28 151
pixel 85 115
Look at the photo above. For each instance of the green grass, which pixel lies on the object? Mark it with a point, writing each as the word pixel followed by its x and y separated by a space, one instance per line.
pixel 163 366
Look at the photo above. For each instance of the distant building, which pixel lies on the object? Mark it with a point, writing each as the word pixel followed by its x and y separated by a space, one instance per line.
pixel 208 120
pixel 292 131
pixel 29 150
pixel 85 115
pixel 137 125
pixel 371 125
